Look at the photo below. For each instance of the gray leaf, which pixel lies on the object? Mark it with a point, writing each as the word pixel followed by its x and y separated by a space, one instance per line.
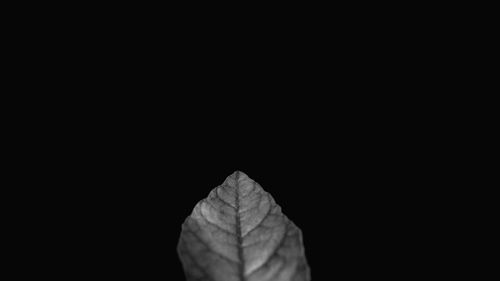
pixel 238 233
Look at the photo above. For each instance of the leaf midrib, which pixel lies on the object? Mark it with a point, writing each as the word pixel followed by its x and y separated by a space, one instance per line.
pixel 239 239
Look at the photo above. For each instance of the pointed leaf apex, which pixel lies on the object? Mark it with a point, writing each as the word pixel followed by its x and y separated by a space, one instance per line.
pixel 238 176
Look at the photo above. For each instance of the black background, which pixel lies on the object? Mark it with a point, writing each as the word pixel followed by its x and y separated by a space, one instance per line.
pixel 330 121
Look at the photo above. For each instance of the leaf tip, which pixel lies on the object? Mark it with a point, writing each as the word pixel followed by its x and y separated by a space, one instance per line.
pixel 236 177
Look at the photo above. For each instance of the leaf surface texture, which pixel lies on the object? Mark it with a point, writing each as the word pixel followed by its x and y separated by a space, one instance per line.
pixel 238 233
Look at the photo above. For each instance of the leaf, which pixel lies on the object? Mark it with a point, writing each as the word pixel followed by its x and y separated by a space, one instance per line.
pixel 238 233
